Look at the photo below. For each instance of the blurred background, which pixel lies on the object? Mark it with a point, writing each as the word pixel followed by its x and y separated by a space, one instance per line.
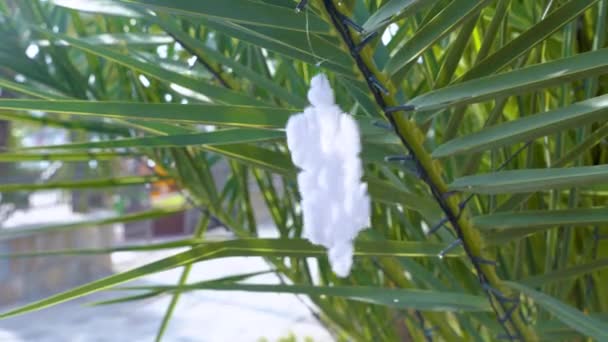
pixel 61 219
pixel 84 218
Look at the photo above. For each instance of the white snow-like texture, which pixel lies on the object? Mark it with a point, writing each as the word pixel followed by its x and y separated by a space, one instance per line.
pixel 325 145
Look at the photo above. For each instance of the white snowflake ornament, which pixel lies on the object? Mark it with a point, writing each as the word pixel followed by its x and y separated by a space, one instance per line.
pixel 325 144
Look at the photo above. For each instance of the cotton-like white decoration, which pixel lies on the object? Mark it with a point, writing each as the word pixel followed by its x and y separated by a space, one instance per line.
pixel 325 144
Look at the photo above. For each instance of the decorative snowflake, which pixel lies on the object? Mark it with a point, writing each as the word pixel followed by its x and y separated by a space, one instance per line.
pixel 325 144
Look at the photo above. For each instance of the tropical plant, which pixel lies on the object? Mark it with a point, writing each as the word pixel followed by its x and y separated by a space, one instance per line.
pixel 484 126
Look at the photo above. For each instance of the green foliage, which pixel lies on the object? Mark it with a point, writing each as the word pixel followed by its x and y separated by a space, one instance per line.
pixel 509 117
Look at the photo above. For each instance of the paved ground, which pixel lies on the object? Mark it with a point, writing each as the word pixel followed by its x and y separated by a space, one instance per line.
pixel 200 316
pixel 205 316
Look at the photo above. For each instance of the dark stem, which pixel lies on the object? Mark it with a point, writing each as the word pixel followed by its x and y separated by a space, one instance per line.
pixel 199 59
pixel 377 90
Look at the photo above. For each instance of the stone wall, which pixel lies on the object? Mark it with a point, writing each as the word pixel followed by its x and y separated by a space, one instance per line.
pixel 27 279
